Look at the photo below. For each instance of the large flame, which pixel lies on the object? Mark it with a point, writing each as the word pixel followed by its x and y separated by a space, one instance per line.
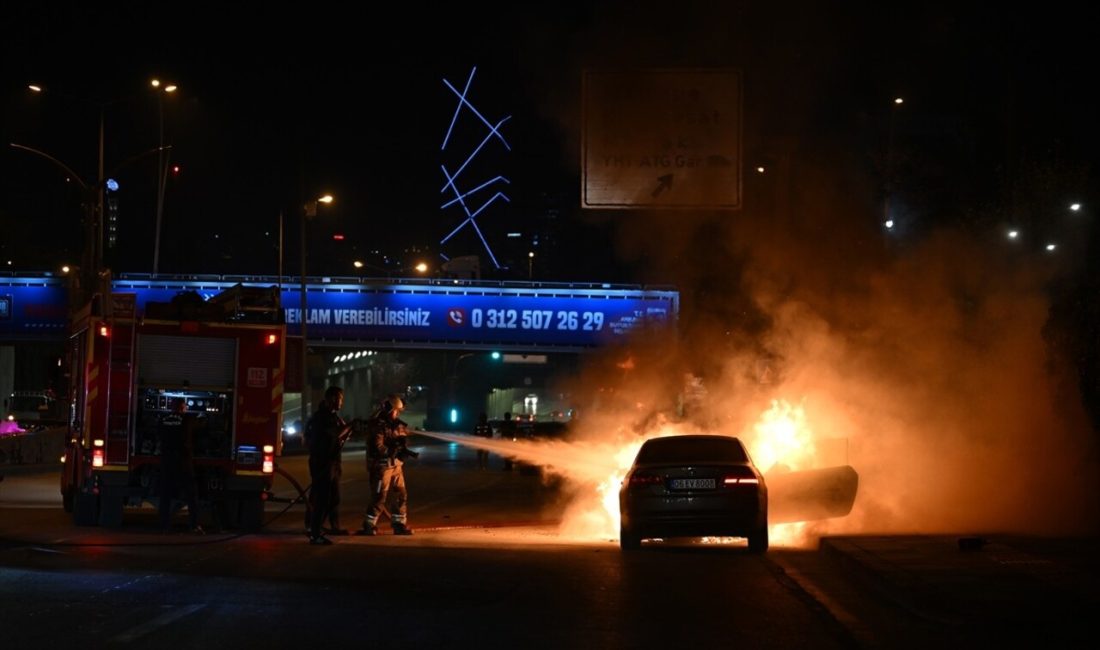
pixel 781 439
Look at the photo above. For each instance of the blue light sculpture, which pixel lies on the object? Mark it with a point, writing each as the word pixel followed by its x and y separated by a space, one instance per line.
pixel 451 180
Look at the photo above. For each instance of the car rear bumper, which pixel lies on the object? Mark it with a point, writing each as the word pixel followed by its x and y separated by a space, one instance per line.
pixel 732 516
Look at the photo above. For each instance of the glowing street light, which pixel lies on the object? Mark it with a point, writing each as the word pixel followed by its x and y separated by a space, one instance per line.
pixel 889 224
pixel 1013 234
pixel 1075 206
pixel 421 267
pixel 1051 247
pixel 357 264
pixel 162 169
pixel 899 100
pixel 309 211
pixel 65 269
pixel 760 170
pixel 35 88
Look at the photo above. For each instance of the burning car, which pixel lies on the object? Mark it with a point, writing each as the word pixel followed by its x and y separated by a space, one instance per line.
pixel 693 486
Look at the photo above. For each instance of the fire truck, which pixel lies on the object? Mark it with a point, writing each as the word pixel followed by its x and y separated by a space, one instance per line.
pixel 224 356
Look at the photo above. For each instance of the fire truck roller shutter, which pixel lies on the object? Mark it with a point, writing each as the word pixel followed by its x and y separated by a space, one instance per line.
pixel 174 360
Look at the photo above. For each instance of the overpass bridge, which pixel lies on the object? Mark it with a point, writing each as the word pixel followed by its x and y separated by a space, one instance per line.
pixel 384 313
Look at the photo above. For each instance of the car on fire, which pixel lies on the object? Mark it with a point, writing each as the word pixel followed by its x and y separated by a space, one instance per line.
pixel 693 486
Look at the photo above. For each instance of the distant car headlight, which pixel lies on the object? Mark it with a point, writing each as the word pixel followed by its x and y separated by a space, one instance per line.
pixel 290 430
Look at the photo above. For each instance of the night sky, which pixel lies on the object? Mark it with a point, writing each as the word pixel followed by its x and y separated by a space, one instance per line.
pixel 277 107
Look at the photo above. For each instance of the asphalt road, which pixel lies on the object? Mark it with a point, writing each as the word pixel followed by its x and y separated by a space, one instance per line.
pixel 490 566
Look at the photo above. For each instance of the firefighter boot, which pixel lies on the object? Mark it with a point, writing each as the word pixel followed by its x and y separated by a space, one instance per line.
pixel 335 529
pixel 402 529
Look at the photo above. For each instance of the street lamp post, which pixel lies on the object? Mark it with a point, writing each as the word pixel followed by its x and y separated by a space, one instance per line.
pixel 162 167
pixel 309 211
pixel 888 172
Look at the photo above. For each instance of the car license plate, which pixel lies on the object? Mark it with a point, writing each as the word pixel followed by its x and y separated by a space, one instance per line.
pixel 692 484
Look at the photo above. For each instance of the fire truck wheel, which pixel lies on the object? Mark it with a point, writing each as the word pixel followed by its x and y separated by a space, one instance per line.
pixel 252 513
pixel 110 511
pixel 227 512
pixel 85 509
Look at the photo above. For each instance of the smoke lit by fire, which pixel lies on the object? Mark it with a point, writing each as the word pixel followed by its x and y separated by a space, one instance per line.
pixel 780 439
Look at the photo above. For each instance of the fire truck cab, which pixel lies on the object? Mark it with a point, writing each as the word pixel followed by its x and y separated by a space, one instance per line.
pixel 224 356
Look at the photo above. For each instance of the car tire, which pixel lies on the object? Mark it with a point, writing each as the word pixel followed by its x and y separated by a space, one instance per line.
pixel 67 500
pixel 758 541
pixel 629 541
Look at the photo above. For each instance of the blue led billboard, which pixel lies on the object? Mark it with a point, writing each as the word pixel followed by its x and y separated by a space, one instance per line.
pixel 445 315
pixel 487 315
pixel 32 308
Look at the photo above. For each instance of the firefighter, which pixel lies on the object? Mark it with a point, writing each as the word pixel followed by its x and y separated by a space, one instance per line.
pixel 328 431
pixel 177 465
pixel 386 451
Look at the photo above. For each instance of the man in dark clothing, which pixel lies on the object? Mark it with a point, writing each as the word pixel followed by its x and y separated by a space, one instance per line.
pixel 177 465
pixel 483 430
pixel 386 450
pixel 328 431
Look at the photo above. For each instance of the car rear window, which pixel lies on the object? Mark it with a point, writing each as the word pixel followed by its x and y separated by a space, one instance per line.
pixel 678 449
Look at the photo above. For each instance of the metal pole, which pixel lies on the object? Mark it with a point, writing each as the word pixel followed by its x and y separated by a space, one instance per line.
pixel 161 171
pixel 304 318
pixel 100 184
pixel 889 172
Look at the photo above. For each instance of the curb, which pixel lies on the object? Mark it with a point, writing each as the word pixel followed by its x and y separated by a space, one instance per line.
pixel 885 578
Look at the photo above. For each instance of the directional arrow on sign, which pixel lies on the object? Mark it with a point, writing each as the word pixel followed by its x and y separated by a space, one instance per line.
pixel 664 183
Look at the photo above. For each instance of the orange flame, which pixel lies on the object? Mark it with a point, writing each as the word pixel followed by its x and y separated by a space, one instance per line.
pixel 781 438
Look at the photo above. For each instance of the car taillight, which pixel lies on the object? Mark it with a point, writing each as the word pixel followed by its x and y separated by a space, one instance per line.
pixel 269 459
pixel 97 458
pixel 733 480
pixel 640 479
pixel 740 476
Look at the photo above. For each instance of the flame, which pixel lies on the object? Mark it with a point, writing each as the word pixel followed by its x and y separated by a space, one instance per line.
pixel 781 439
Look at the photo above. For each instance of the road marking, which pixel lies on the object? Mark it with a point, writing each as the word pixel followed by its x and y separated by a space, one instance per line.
pixel 160 621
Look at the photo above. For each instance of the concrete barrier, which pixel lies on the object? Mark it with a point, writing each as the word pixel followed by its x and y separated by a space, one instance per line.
pixel 32 448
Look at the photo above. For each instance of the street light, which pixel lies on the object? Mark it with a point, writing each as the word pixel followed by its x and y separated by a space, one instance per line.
pixel 162 167
pixel 93 194
pixel 421 267
pixel 530 263
pixel 309 211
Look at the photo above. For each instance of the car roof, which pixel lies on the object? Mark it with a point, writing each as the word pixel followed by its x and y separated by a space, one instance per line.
pixel 692 448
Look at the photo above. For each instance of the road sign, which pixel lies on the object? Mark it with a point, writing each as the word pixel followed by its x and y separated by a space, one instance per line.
pixel 662 139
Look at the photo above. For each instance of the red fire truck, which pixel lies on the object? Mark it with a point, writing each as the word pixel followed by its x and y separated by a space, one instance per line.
pixel 224 356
